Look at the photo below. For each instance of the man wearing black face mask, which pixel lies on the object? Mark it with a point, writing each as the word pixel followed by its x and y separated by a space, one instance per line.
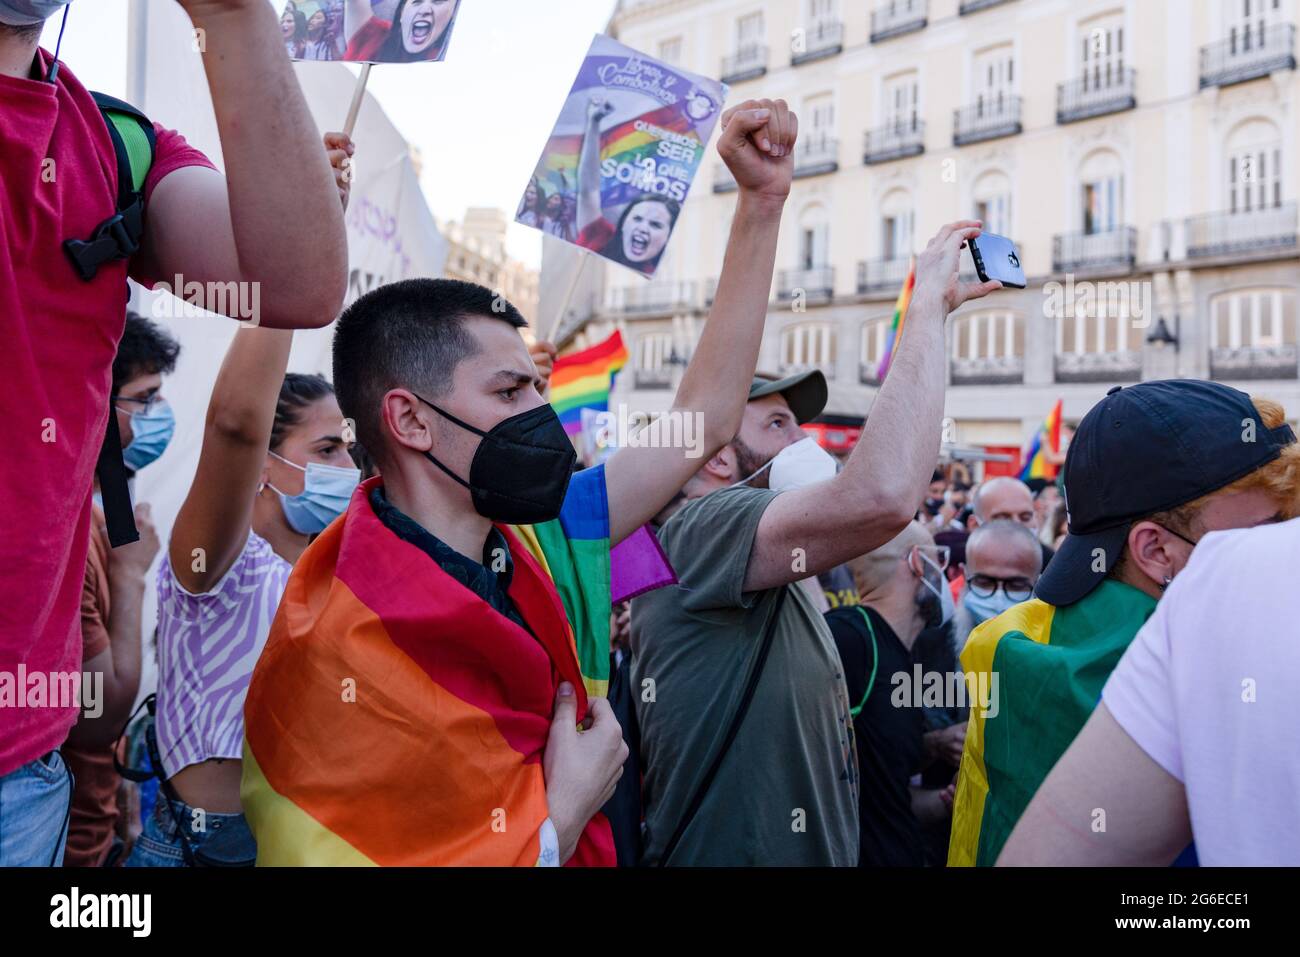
pixel 876 641
pixel 477 565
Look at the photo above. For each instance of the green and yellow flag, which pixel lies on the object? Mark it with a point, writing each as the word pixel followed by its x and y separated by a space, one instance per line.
pixel 1045 667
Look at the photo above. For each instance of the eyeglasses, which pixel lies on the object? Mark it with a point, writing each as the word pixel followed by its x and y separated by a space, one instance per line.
pixel 146 404
pixel 986 586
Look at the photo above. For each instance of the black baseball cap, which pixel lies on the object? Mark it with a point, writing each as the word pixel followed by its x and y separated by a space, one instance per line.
pixel 1143 449
pixel 805 393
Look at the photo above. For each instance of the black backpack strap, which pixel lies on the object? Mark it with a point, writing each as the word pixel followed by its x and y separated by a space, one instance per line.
pixel 119 236
pixel 741 710
pixel 119 516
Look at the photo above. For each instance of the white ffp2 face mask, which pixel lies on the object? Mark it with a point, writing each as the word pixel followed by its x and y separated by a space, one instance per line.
pixel 799 465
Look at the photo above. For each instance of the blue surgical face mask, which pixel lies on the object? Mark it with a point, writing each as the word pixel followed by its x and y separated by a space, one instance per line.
pixel 26 13
pixel 151 431
pixel 324 496
pixel 982 609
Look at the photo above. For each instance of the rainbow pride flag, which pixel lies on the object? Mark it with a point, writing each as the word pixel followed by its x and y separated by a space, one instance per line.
pixel 1036 465
pixel 900 317
pixel 396 718
pixel 582 380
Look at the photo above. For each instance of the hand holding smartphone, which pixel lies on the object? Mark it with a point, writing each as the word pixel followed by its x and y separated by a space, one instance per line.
pixel 996 258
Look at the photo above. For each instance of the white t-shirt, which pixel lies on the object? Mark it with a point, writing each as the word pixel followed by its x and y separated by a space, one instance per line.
pixel 1210 690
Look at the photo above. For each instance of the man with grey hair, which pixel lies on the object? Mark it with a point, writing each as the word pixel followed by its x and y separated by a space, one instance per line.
pixel 1007 498
pixel 1003 562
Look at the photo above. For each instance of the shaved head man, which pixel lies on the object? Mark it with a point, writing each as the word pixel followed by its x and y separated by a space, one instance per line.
pixel 901 584
pixel 1003 563
pixel 1004 498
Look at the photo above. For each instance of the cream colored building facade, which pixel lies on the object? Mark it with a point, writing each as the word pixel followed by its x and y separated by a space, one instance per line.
pixel 477 253
pixel 1141 153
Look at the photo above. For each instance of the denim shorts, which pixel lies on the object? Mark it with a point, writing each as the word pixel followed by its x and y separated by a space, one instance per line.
pixel 34 804
pixel 160 843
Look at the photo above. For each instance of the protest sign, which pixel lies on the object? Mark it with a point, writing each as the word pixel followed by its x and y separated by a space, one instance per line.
pixel 368 31
pixel 620 160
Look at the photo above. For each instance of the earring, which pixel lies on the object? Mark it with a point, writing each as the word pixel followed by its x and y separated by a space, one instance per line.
pixel 1168 581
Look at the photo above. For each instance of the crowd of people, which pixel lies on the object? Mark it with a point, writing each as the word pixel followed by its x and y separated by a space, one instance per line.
pixel 386 630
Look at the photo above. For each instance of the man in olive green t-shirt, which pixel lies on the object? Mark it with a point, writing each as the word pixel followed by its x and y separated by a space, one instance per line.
pixel 763 514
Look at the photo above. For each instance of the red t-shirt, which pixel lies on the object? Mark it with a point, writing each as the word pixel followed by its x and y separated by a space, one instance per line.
pixel 58 180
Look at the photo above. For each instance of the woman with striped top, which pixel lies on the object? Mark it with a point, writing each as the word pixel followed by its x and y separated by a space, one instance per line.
pixel 274 470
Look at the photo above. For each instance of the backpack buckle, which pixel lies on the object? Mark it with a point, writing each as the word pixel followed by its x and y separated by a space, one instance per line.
pixel 111 240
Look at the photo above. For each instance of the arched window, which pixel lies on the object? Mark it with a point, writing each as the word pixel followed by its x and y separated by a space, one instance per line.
pixel 988 347
pixel 1099 339
pixel 1253 177
pixel 1101 192
pixel 991 197
pixel 1253 334
pixel 653 371
pixel 814 238
pixel 897 217
pixel 875 335
pixel 808 345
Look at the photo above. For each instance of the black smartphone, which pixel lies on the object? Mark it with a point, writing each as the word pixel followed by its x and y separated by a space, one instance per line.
pixel 996 258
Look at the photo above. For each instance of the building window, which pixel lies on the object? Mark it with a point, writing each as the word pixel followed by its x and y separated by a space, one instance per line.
pixel 1099 332
pixel 993 80
pixel 653 350
pixel 1254 174
pixel 1101 61
pixel 749 33
pixel 807 345
pixel 875 333
pixel 1101 193
pixel 1253 319
pixel 902 98
pixel 988 335
pixel 896 223
pixel 670 51
pixel 992 202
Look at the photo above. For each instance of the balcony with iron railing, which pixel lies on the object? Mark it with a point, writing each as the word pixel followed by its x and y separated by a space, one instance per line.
pixel 1125 366
pixel 824 38
pixel 1255 362
pixel 974 6
pixel 747 63
pixel 988 370
pixel 660 378
pixel 1096 93
pixel 897 17
pixel 882 276
pixel 1248 54
pixel 1116 249
pixel 654 298
pixel 813 285
pixel 794 368
pixel 1265 230
pixel 896 140
pixel 723 181
pixel 987 119
pixel 817 155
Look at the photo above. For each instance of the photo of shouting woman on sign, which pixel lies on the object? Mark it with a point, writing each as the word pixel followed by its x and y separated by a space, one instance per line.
pixel 418 30
pixel 643 229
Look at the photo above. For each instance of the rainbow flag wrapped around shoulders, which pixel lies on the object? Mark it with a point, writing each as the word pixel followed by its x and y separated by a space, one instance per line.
pixel 1049 665
pixel 583 380
pixel 1036 465
pixel 395 718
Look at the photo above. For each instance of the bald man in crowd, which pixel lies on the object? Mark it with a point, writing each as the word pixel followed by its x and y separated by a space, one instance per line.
pixel 1008 498
pixel 900 585
pixel 1003 562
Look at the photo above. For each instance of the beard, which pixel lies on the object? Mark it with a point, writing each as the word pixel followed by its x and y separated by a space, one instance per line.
pixel 928 604
pixel 748 462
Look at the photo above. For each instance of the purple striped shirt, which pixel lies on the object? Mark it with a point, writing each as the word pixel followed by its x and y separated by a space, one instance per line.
pixel 207 646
